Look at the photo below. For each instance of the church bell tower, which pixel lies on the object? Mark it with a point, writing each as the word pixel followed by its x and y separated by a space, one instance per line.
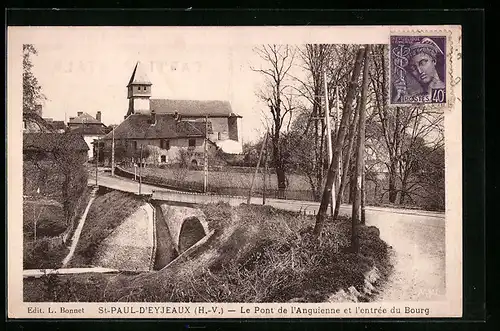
pixel 139 91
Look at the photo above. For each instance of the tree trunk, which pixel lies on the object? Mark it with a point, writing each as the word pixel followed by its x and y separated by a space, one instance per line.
pixel 278 164
pixel 363 197
pixel 360 157
pixel 402 193
pixel 346 165
pixel 334 165
pixel 392 182
pixel 352 184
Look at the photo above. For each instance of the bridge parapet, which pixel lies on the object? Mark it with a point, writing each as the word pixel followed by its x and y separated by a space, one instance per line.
pixel 197 198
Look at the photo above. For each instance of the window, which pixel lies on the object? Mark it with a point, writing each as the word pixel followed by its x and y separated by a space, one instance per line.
pixel 138 88
pixel 192 142
pixel 165 144
pixel 163 158
pixel 135 145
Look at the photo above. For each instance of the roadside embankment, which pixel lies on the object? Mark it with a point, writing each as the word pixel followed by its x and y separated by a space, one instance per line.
pixel 261 254
pixel 255 254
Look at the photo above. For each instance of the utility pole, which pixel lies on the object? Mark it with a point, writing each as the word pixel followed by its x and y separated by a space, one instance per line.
pixel 363 197
pixel 205 163
pixel 265 174
pixel 113 153
pixel 329 138
pixel 257 168
pixel 360 155
pixel 332 171
pixel 140 172
pixel 337 124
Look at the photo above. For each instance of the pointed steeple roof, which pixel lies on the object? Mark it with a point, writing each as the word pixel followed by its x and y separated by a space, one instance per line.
pixel 139 76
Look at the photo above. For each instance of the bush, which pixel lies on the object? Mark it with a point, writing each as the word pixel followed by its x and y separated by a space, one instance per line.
pixel 44 253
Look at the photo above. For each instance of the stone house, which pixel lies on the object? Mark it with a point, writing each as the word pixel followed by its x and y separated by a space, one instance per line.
pixel 89 127
pixel 168 126
pixel 162 135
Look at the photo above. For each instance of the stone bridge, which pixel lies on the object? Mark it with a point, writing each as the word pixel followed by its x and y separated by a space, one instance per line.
pixel 156 234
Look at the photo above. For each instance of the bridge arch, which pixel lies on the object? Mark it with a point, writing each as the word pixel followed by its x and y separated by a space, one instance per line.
pixel 192 231
pixel 187 225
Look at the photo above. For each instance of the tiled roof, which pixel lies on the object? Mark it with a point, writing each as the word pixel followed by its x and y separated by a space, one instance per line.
pixel 83 118
pixel 139 76
pixel 139 126
pixel 53 141
pixel 58 125
pixel 193 108
pixel 89 130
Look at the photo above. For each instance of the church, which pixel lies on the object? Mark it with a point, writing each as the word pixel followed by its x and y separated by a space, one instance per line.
pixel 165 126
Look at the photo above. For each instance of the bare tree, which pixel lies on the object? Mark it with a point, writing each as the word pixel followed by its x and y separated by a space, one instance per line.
pixel 346 161
pixel 32 93
pixel 65 166
pixel 360 155
pixel 395 133
pixel 277 62
pixel 339 143
pixel 315 60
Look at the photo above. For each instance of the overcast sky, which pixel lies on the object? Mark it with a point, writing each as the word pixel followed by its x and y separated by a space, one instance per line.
pixel 86 70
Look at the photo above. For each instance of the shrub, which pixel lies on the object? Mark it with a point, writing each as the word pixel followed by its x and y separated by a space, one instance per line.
pixel 44 253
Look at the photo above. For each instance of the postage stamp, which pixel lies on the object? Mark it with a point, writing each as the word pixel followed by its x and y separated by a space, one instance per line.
pixel 150 186
pixel 418 69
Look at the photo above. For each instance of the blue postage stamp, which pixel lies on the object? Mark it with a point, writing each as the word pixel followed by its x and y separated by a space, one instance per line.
pixel 418 70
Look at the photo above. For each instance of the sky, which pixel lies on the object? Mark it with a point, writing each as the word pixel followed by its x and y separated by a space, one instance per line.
pixel 88 71
pixel 87 68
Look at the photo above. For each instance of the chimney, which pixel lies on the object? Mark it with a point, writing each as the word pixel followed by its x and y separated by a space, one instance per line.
pixel 98 116
pixel 153 117
pixel 38 110
pixel 80 113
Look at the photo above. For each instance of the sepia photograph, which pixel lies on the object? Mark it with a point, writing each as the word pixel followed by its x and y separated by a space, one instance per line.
pixel 311 175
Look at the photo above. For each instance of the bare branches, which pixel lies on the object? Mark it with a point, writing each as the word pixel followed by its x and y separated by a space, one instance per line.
pixel 275 66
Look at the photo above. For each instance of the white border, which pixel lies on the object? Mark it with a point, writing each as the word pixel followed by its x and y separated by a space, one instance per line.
pixel 451 307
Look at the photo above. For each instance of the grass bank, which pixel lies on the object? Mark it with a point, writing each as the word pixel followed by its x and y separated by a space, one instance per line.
pixel 106 213
pixel 258 254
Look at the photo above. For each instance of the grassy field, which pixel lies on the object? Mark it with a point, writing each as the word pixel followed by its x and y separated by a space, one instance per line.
pixel 227 182
pixel 106 213
pixel 257 254
pixel 229 179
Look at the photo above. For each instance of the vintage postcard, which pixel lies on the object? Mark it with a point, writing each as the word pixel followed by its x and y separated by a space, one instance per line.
pixel 234 172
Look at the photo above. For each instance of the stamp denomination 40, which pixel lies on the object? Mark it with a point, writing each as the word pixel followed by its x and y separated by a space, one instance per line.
pixel 418 70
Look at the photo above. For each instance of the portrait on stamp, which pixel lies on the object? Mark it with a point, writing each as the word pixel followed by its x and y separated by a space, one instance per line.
pixel 418 66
